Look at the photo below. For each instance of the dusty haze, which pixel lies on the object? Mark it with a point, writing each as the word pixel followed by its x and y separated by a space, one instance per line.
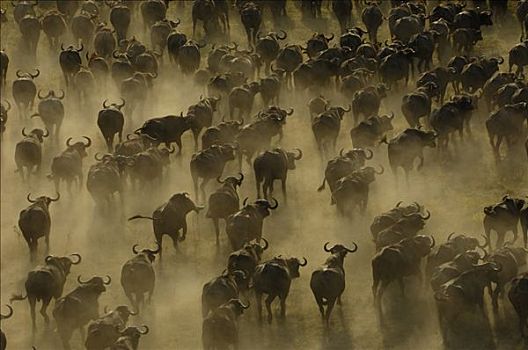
pixel 454 189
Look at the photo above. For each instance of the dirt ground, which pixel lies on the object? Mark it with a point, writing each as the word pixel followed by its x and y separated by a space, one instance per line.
pixel 454 188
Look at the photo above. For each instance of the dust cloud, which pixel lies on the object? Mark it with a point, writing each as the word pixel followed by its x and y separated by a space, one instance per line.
pixel 454 188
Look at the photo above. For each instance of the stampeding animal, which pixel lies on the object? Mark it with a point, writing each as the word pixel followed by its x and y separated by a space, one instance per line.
pixel 251 17
pixel 328 281
pixel 104 331
pixel 518 296
pixel 506 123
pixel 366 102
pixel 77 308
pixel 28 152
pixel 51 111
pixel 220 327
pixel 45 282
pixel 35 222
pixel 105 177
pixel 463 294
pixel 223 288
pixel 24 91
pixel 405 227
pixel 247 258
pixel 257 135
pixel 274 165
pixel 326 127
pixel 224 201
pixel 67 166
pixel 201 116
pixel 369 132
pixel 138 276
pixel 456 244
pixel 511 261
pixel 398 261
pixel 406 147
pixel 344 164
pixel 353 190
pixel 274 278
pixel 223 133
pixel 166 129
pixel 170 218
pixel 209 164
pixel 246 224
pixel 70 62
pixel 502 217
pixel 110 121
pixel 129 338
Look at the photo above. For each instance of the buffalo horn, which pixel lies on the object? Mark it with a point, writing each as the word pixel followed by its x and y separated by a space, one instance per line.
pixel 274 206
pixel 450 235
pixel 3 317
pixel 427 216
pixel 354 249
pixel 267 244
pixel 300 154
pixel 134 248
pixel 143 329
pixel 371 153
pixel 109 279
pixel 304 263
pixel 57 197
pixel 78 258
pixel 28 197
pixel 325 247
pixel 88 141
pixel 433 242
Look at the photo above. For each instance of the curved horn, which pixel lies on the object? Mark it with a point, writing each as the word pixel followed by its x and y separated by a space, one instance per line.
pixel 450 236
pixel 119 106
pixel 79 258
pixel 88 141
pixel 104 104
pixel 3 317
pixel 303 263
pixel 28 197
pixel 325 247
pixel 427 216
pixel 274 206
pixel 80 281
pixel 398 204
pixel 68 141
pixel 381 171
pixel 267 244
pixel 500 59
pixel 341 152
pixel 62 46
pixel 486 242
pixel 36 74
pixel 433 242
pixel 81 48
pixel 391 116
pixel 300 154
pixel 57 197
pixel 354 249
pixel 284 35
pixel 158 249
pixel 371 153
pixel 36 115
pixel 8 106
pixel 109 279
pixel 98 158
pixel 134 248
pixel 24 132
pixel 143 330
pixel 219 180
pixel 19 73
pixel 245 201
pixel 330 37
pixel 349 109
pixel 289 111
pixel 244 306
pixel 42 97
pixel 46 134
pixel 62 95
pixel 241 178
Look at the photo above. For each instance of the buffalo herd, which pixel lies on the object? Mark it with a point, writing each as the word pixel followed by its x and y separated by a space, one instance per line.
pixel 413 114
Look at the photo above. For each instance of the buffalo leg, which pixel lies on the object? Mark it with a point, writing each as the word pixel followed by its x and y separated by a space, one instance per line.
pixel 269 300
pixel 329 307
pixel 283 187
pixel 217 230
pixel 133 301
pixel 258 297
pixel 32 303
pixel 319 302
